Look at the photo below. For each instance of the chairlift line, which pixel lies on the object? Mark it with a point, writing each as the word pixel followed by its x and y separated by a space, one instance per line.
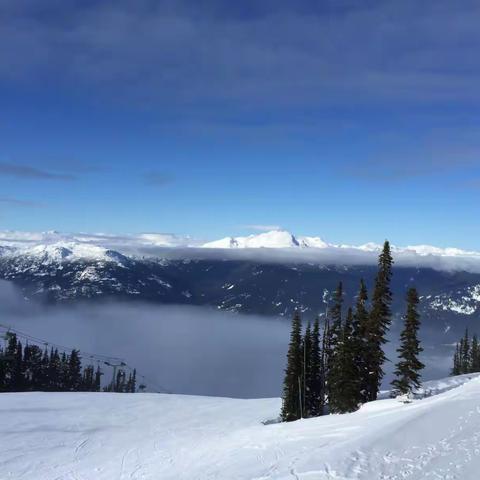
pixel 37 340
pixel 99 358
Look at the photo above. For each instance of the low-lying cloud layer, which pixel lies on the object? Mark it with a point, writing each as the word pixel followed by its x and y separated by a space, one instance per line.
pixel 192 350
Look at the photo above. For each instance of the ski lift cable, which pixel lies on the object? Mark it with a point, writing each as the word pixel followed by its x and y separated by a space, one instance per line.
pixel 59 346
pixel 158 386
pixel 99 358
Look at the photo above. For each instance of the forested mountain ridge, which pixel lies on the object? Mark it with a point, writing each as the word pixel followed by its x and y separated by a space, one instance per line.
pixel 249 286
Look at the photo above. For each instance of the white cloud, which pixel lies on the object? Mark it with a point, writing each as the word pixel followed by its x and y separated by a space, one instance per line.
pixel 262 228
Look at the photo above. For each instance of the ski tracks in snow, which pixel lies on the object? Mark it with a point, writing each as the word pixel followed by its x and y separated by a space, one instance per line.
pixel 450 458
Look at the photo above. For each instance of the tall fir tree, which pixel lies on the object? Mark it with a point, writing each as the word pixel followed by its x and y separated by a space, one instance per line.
pixel 408 368
pixel 334 334
pixel 63 377
pixel 317 386
pixel 292 394
pixel 345 386
pixel 32 366
pixel 475 355
pixel 360 334
pixel 18 376
pixel 54 371
pixel 3 370
pixel 74 378
pixel 465 353
pixel 336 315
pixel 308 373
pixel 379 322
pixel 456 369
pixel 87 384
pixel 133 384
pixel 98 379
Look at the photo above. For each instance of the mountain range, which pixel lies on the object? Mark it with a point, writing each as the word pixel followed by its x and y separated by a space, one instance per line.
pixel 85 244
pixel 242 275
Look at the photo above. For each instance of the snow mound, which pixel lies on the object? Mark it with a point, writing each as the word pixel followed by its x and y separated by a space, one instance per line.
pixel 106 436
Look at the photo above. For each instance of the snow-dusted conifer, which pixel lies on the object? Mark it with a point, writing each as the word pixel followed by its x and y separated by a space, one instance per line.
pixel 380 320
pixel 408 368
pixel 291 398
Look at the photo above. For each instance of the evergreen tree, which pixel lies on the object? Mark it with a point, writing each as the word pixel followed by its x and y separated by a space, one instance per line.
pixel 87 384
pixel 379 322
pixel 360 346
pixel 475 355
pixel 291 398
pixel 74 375
pixel 12 369
pixel 3 370
pixel 98 379
pixel 63 377
pixel 308 373
pixel 18 378
pixel 327 355
pixel 456 370
pixel 336 315
pixel 54 372
pixel 317 380
pixel 465 353
pixel 334 335
pixel 408 368
pixel 133 384
pixel 345 386
pixel 44 378
pixel 32 368
pixel 120 383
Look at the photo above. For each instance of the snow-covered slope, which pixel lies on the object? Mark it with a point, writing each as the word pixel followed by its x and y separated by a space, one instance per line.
pixel 65 436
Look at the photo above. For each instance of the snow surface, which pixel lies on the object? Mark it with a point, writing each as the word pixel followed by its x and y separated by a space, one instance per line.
pixel 100 436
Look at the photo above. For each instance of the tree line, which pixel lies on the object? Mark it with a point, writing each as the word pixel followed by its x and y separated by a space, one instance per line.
pixel 29 368
pixel 339 366
pixel 466 358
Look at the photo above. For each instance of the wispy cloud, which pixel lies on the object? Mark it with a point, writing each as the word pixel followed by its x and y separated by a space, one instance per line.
pixel 262 228
pixel 157 179
pixel 29 172
pixel 257 54
pixel 16 202
pixel 440 153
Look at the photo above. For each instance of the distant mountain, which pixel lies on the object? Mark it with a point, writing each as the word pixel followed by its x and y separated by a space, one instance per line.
pixel 273 239
pixel 73 271
pixel 150 243
pixel 285 239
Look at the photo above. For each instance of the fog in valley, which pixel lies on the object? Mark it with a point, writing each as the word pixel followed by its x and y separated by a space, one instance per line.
pixel 181 349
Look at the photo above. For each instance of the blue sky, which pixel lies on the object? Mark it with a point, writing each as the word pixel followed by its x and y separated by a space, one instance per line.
pixel 355 121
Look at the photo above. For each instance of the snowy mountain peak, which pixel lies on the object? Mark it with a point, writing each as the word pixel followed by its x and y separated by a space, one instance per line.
pixel 66 251
pixel 313 242
pixel 272 239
